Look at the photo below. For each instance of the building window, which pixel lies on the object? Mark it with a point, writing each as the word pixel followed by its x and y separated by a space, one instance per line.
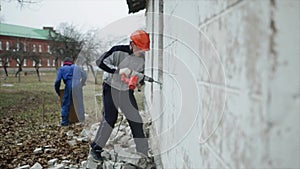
pixel 0 45
pixel 48 49
pixel 18 62
pixel 40 48
pixel 0 61
pixel 40 64
pixel 7 45
pixel 25 62
pixel 8 62
pixel 34 48
pixel 48 62
pixel 61 63
pixel 53 62
pixel 25 47
pixel 18 46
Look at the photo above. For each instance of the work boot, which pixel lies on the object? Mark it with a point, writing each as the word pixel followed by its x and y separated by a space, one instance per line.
pixel 96 152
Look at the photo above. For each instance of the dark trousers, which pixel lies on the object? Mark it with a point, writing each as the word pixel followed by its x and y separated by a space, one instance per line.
pixel 125 100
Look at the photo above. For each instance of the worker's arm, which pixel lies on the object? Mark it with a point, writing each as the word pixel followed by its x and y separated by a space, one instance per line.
pixel 106 61
pixel 57 82
pixel 109 60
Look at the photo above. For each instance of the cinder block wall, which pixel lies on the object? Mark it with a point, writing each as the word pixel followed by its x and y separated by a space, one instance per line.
pixel 231 88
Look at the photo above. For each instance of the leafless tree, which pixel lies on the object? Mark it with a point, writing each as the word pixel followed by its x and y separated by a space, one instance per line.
pixel 16 53
pixel 11 54
pixel 37 62
pixel 19 53
pixel 90 51
pixel 67 41
pixel 23 3
pixel 5 60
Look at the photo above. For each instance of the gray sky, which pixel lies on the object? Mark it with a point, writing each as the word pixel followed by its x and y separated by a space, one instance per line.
pixel 85 14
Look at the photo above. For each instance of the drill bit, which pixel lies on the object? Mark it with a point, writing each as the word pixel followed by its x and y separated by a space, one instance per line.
pixel 157 82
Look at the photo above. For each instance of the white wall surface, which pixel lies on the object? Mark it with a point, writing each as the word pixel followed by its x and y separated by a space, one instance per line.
pixel 230 72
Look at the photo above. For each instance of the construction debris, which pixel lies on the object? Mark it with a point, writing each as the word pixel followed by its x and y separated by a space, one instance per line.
pixel 51 146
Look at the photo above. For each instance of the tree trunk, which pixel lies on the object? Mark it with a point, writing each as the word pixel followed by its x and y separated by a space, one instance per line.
pixel 5 70
pixel 37 73
pixel 56 65
pixel 93 72
pixel 18 73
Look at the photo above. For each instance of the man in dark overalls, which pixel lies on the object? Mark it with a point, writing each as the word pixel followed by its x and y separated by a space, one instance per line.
pixel 122 60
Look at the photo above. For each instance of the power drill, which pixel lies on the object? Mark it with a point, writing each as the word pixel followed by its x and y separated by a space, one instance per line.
pixel 133 81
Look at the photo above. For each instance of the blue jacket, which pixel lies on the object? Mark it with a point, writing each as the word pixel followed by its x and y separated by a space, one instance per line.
pixel 72 76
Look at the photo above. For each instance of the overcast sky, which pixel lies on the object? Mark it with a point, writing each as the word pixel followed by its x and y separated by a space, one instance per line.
pixel 85 14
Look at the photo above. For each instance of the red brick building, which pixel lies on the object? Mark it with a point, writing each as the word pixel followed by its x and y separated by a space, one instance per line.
pixel 31 41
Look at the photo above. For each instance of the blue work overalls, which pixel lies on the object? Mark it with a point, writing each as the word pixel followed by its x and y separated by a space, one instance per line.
pixel 73 86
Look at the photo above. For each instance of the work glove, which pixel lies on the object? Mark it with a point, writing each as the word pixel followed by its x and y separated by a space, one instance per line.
pixel 125 71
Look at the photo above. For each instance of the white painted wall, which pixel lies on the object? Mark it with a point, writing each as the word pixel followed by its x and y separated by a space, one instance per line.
pixel 230 72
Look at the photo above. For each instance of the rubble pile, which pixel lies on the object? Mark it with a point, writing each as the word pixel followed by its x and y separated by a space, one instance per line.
pixel 120 151
pixel 26 144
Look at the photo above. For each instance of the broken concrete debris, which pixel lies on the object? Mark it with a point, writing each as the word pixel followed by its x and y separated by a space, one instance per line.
pixel 119 152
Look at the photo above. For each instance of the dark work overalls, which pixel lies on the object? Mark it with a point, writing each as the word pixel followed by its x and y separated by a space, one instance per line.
pixel 117 95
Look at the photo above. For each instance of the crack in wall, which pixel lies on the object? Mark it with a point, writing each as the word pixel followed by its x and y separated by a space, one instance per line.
pixel 272 48
pixel 228 9
pixel 273 58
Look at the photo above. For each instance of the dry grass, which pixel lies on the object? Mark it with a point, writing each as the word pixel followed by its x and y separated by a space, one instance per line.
pixel 17 97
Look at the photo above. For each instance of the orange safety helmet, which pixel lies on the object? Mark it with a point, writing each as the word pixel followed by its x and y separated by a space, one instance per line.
pixel 141 39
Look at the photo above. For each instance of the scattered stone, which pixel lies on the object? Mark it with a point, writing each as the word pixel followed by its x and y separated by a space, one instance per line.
pixel 124 141
pixel 50 150
pixel 47 146
pixel 83 164
pixel 24 167
pixel 29 161
pixel 52 162
pixel 122 128
pixel 72 142
pixel 128 166
pixel 73 166
pixel 82 139
pixel 85 133
pixel 33 144
pixel 128 131
pixel 64 157
pixel 106 155
pixel 125 155
pixel 131 142
pixel 59 166
pixel 108 165
pixel 66 162
pixel 37 166
pixel 70 133
pixel 38 151
pixel 91 164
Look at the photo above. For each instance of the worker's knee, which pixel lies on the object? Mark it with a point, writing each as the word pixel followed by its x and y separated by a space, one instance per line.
pixel 111 121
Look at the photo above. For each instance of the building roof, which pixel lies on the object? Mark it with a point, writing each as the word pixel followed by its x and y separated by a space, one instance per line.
pixel 24 32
